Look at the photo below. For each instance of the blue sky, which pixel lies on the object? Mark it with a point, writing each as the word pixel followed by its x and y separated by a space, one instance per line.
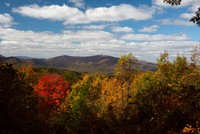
pixel 49 28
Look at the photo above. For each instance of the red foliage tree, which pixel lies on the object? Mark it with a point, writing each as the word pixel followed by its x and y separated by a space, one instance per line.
pixel 51 91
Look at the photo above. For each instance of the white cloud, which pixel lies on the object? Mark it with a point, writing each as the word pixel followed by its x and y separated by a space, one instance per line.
pixel 187 16
pixel 89 42
pixel 78 3
pixel 195 4
pixel 70 15
pixel 192 7
pixel 151 50
pixel 53 38
pixel 152 28
pixel 6 20
pixel 93 27
pixel 176 22
pixel 156 37
pixel 118 29
pixel 86 27
pixel 53 12
pixel 48 44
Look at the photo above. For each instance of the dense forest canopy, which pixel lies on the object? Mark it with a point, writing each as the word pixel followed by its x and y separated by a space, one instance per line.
pixel 130 101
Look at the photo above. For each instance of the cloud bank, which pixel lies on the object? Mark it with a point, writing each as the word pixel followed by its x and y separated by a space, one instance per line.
pixel 90 42
pixel 72 15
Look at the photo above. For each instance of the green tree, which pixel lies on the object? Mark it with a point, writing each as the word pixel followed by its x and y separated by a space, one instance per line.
pixel 30 76
pixel 125 68
pixel 81 108
pixel 168 99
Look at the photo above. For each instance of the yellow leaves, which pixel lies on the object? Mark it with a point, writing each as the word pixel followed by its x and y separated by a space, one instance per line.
pixel 27 69
pixel 29 74
pixel 97 82
pixel 81 82
pixel 125 67
pixel 170 85
pixel 191 79
pixel 191 130
pixel 115 94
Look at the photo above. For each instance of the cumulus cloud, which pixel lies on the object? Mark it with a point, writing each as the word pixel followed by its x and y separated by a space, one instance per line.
pixel 187 16
pixel 48 44
pixel 53 38
pixel 93 27
pixel 6 20
pixel 52 12
pixel 156 37
pixel 180 22
pixel 88 37
pixel 149 29
pixel 195 4
pixel 89 42
pixel 151 50
pixel 70 15
pixel 86 27
pixel 192 6
pixel 118 29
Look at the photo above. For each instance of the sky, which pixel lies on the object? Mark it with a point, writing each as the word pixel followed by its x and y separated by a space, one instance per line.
pixel 145 28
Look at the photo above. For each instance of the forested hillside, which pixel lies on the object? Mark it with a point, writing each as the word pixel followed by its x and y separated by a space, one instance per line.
pixel 46 100
pixel 91 64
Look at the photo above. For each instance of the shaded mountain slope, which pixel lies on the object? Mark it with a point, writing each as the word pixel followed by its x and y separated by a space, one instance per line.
pixel 92 64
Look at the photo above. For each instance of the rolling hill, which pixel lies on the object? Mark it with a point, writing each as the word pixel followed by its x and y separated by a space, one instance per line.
pixel 91 64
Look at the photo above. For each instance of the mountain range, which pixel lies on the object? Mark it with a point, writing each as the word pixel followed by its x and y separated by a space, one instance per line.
pixel 91 64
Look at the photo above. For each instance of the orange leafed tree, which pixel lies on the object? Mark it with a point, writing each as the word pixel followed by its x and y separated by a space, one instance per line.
pixel 51 90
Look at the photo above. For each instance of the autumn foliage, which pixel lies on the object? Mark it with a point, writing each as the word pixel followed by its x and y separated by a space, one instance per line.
pixel 163 101
pixel 51 90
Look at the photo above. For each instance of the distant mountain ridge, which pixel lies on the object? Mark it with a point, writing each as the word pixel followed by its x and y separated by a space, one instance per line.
pixel 91 64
